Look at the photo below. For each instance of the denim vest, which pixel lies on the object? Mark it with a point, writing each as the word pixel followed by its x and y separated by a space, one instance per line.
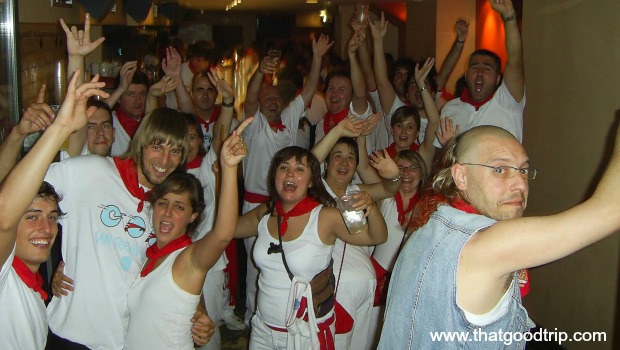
pixel 422 293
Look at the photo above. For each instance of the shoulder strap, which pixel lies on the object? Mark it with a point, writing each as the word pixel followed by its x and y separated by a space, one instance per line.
pixel 290 274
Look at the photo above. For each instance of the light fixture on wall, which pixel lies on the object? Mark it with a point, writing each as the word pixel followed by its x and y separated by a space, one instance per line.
pixel 323 15
pixel 312 1
pixel 233 4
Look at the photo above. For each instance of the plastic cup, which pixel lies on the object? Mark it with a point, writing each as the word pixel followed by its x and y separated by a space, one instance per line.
pixel 354 219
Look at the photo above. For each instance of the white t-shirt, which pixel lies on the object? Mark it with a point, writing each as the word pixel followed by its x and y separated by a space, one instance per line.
pixel 385 254
pixel 103 245
pixel 65 155
pixel 502 111
pixel 263 143
pixel 160 311
pixel 121 138
pixel 205 175
pixel 23 320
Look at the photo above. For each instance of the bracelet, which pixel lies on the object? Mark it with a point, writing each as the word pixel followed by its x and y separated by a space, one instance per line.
pixel 459 41
pixel 396 179
pixel 228 105
pixel 420 89
pixel 509 18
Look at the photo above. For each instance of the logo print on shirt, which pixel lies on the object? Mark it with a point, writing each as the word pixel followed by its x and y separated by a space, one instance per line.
pixel 112 216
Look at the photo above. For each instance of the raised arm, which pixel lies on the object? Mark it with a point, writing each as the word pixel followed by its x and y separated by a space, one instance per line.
pixel 359 100
pixel 126 75
pixel 348 127
pixel 426 149
pixel 366 172
pixel 266 66
pixel 387 95
pixel 449 63
pixel 206 251
pixel 224 120
pixel 37 117
pixel 319 49
pixel 21 185
pixel 171 66
pixel 364 54
pixel 514 76
pixel 247 225
pixel 79 46
pixel 389 175
pixel 165 85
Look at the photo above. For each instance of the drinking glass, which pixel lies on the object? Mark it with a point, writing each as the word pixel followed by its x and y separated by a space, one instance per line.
pixel 361 13
pixel 275 55
pixel 354 219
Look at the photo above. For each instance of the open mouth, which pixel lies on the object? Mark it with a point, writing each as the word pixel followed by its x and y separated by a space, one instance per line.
pixel 289 186
pixel 159 170
pixel 40 242
pixel 165 227
pixel 478 86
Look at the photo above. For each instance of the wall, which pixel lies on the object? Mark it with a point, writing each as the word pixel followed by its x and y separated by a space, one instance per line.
pixel 571 61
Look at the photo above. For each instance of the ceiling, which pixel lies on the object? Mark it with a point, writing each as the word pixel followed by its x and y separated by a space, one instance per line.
pixel 272 5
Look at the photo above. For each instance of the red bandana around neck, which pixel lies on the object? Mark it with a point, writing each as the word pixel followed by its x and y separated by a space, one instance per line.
pixel 402 212
pixel 464 206
pixel 466 97
pixel 391 150
pixel 128 172
pixel 129 124
pixel 153 253
pixel 331 119
pixel 212 118
pixel 194 163
pixel 301 208
pixel 277 125
pixel 32 280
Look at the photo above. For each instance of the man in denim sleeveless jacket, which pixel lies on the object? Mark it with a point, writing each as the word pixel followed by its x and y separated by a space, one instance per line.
pixel 455 282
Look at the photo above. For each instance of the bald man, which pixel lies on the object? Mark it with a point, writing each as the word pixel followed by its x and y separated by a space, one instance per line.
pixel 458 272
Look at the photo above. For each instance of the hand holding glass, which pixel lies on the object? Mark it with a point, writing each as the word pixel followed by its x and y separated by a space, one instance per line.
pixel 354 219
pixel 275 55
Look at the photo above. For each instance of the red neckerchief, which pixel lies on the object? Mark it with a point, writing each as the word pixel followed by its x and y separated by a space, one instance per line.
pixel 129 124
pixel 301 208
pixel 464 206
pixel 466 97
pixel 402 213
pixel 32 280
pixel 153 252
pixel 331 119
pixel 129 173
pixel 194 163
pixel 212 118
pixel 277 125
pixel 391 149
pixel 524 282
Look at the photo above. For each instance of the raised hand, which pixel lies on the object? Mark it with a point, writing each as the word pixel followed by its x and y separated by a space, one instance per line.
pixel 320 47
pixel 447 131
pixel 350 126
pixel 378 29
pixel 462 28
pixel 223 88
pixel 164 85
pixel 73 113
pixel 384 164
pixel 268 65
pixel 171 65
pixel 356 40
pixel 127 71
pixel 37 117
pixel 234 148
pixel 503 7
pixel 371 123
pixel 420 74
pixel 78 41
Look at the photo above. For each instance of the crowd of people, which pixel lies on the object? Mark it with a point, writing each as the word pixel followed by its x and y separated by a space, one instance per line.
pixel 147 197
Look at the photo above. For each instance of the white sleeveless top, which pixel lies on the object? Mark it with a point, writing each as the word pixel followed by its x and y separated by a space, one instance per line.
pixel 305 256
pixel 160 311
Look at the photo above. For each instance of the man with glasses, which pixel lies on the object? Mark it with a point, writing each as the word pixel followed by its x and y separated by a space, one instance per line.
pixel 458 274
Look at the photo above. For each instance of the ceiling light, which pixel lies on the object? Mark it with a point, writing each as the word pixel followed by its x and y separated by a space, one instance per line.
pixel 312 1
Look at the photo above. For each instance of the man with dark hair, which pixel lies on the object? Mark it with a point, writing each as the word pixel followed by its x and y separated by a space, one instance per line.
pixel 456 281
pixel 28 227
pixel 489 97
